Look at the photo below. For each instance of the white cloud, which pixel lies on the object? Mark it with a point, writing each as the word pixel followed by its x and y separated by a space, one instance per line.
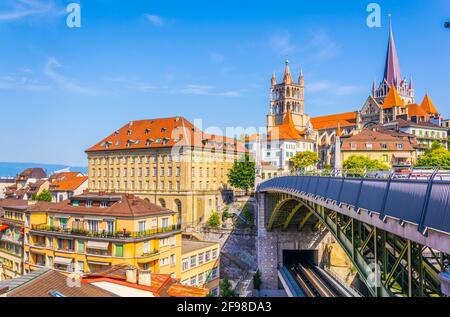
pixel 132 84
pixel 282 44
pixel 21 82
pixel 216 58
pixel 318 45
pixel 331 88
pixel 51 70
pixel 19 9
pixel 206 90
pixel 154 19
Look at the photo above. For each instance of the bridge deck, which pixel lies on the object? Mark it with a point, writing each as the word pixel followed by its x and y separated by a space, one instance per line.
pixel 425 203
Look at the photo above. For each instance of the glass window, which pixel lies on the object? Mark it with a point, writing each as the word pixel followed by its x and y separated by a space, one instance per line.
pixel 81 246
pixel 119 250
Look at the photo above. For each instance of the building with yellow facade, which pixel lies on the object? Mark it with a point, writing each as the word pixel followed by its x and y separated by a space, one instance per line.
pixel 92 232
pixel 200 265
pixel 169 162
pixel 12 223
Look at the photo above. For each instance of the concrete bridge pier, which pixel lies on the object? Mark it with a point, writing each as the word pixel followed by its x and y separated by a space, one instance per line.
pixel 271 244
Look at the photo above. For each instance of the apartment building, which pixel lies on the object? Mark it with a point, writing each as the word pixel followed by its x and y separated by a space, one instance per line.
pixel 200 265
pixel 12 224
pixel 169 162
pixel 94 231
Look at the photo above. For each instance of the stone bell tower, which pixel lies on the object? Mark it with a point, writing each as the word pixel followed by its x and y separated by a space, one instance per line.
pixel 287 96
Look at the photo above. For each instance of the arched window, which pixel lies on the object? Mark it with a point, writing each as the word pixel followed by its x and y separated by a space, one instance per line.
pixel 162 203
pixel 179 209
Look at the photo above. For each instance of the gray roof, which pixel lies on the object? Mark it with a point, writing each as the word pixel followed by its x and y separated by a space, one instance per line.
pixel 9 285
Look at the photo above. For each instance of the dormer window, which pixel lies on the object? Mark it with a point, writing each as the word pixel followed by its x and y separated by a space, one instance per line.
pixel 129 132
pixel 147 131
pixel 103 204
pixel 353 146
pixel 166 140
pixel 399 146
pixel 89 203
pixel 163 129
pixel 149 142
pixel 130 142
pixel 116 133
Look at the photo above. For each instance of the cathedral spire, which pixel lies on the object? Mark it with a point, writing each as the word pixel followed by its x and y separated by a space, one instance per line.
pixel 301 78
pixel 287 78
pixel 392 73
pixel 273 80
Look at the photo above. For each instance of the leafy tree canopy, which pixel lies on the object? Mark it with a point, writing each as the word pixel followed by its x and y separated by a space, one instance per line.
pixel 45 195
pixel 361 162
pixel 434 158
pixel 242 174
pixel 225 289
pixel 302 160
pixel 214 220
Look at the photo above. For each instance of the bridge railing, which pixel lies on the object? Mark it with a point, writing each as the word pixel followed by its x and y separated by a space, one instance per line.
pixel 421 198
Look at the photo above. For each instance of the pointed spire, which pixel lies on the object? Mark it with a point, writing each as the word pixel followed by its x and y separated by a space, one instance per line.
pixel 392 73
pixel 411 85
pixel 287 78
pixel 274 79
pixel 301 78
pixel 374 88
pixel 428 105
pixel 393 99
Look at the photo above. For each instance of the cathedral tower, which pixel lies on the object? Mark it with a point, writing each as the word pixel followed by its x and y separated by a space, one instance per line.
pixel 287 96
pixel 393 76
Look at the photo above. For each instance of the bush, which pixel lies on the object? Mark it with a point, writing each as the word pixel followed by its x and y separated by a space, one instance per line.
pixel 214 220
pixel 226 214
pixel 257 281
pixel 225 288
pixel 247 214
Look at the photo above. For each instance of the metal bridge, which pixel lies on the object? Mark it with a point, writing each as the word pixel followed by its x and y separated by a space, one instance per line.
pixel 395 230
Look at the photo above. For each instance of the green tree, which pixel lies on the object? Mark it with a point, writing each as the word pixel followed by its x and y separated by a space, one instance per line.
pixel 257 281
pixel 436 145
pixel 214 220
pixel 247 214
pixel 302 160
pixel 225 288
pixel 242 174
pixel 435 158
pixel 45 195
pixel 361 162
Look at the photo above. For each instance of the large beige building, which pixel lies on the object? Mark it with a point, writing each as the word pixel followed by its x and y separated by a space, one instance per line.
pixel 167 161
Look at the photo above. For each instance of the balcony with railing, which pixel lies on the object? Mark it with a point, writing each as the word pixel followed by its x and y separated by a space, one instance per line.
pixel 105 234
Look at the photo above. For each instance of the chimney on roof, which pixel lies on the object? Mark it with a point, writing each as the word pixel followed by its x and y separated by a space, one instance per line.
pixel 145 278
pixel 130 123
pixel 131 275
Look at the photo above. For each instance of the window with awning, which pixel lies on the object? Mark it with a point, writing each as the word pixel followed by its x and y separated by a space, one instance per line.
pixel 62 261
pixel 98 245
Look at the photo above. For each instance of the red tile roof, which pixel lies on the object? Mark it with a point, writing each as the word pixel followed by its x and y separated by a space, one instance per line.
pixel 286 130
pixel 377 138
pixel 122 205
pixel 414 110
pixel 393 99
pixel 162 285
pixel 428 105
pixel 164 132
pixel 346 119
pixel 69 181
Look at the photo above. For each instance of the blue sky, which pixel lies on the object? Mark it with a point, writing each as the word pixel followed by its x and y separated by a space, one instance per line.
pixel 62 89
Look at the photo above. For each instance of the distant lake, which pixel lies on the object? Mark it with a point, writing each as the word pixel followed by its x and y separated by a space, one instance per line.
pixel 9 169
